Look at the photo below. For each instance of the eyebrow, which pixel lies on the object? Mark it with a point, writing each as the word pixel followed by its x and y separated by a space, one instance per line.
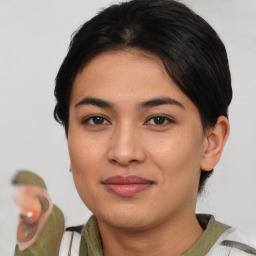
pixel 145 104
pixel 96 102
pixel 158 102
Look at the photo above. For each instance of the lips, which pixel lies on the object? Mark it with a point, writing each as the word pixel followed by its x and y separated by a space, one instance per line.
pixel 127 185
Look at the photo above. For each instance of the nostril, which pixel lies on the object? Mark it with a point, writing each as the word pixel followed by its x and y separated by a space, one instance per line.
pixel 123 162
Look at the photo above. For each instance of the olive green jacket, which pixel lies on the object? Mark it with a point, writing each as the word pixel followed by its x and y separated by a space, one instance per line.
pixel 217 240
pixel 91 243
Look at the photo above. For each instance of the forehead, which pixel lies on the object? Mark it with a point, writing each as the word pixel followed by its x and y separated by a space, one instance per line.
pixel 116 68
pixel 128 61
pixel 126 77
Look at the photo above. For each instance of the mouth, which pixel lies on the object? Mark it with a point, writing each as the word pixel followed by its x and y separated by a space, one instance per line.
pixel 127 185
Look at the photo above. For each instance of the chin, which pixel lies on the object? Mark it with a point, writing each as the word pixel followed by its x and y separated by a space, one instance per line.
pixel 129 223
pixel 129 218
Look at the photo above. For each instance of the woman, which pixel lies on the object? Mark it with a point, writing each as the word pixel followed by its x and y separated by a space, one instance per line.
pixel 143 95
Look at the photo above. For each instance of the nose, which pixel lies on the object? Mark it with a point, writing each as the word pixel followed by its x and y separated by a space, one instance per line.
pixel 126 146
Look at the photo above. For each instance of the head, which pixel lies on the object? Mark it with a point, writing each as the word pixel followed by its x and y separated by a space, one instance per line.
pixel 189 50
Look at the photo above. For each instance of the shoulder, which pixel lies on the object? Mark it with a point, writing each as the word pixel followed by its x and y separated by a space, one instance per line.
pixel 233 243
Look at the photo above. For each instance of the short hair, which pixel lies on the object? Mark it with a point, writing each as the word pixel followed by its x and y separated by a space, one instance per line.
pixel 189 48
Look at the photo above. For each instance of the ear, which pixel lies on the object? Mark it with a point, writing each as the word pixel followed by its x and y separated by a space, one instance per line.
pixel 215 140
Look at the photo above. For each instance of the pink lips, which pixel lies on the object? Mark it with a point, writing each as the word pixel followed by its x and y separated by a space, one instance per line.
pixel 127 185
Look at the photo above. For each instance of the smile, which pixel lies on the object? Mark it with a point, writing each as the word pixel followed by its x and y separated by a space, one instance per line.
pixel 127 185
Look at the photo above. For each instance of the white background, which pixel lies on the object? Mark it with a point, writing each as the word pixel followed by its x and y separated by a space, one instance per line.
pixel 34 37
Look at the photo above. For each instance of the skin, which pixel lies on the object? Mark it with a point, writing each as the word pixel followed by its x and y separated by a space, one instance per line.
pixel 128 140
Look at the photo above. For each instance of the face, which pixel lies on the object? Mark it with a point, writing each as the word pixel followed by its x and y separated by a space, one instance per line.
pixel 135 141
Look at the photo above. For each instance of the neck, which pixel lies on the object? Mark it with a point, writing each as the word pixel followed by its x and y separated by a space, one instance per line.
pixel 175 236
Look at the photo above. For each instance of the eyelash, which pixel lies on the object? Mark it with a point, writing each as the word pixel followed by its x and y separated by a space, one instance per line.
pixel 167 120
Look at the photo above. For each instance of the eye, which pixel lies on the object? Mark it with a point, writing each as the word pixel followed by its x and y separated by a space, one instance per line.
pixel 96 120
pixel 159 120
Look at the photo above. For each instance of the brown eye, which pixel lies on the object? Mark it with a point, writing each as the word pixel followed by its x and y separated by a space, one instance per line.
pixel 96 120
pixel 159 120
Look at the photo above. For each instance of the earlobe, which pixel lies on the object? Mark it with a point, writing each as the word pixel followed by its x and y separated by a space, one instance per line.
pixel 215 140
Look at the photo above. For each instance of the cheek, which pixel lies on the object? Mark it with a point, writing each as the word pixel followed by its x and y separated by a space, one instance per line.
pixel 85 165
pixel 178 156
pixel 84 160
pixel 177 149
pixel 84 151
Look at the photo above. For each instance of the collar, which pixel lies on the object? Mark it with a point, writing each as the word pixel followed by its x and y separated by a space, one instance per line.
pixel 212 231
